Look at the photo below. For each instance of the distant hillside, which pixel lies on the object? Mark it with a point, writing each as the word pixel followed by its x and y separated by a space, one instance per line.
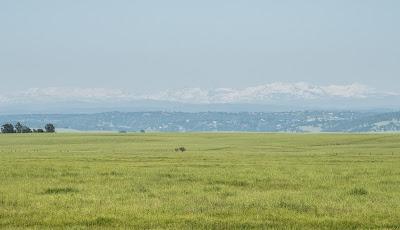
pixel 386 122
pixel 306 121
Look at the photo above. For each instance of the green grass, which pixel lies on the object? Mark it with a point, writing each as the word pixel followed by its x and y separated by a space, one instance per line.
pixel 222 181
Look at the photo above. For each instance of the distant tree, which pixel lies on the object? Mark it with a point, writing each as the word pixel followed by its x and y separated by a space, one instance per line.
pixel 40 130
pixel 50 128
pixel 142 131
pixel 181 149
pixel 22 128
pixel 18 127
pixel 7 128
pixel 26 129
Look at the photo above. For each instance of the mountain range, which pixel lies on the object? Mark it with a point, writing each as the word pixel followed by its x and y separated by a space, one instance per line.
pixel 273 97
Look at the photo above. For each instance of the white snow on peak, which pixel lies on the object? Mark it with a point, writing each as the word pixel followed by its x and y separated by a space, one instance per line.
pixel 256 94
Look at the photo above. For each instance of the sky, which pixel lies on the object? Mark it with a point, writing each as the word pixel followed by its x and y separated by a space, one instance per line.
pixel 153 46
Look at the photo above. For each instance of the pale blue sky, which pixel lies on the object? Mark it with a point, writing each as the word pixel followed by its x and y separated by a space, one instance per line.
pixel 153 45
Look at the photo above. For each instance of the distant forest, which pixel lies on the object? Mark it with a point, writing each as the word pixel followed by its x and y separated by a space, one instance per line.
pixel 20 128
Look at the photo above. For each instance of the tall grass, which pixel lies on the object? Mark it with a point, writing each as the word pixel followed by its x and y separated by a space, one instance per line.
pixel 222 181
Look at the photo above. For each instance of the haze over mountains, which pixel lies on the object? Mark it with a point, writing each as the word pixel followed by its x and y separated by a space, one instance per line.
pixel 271 97
pixel 274 107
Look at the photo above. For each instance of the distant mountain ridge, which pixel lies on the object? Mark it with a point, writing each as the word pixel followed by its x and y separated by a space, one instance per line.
pixel 300 121
pixel 272 97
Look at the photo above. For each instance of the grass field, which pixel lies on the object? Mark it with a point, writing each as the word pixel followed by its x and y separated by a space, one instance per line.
pixel 222 181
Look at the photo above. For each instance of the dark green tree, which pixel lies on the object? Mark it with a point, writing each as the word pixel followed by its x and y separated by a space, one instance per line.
pixel 18 127
pixel 50 128
pixel 7 128
pixel 26 129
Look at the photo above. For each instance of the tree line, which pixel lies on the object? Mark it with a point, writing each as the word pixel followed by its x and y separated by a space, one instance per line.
pixel 20 128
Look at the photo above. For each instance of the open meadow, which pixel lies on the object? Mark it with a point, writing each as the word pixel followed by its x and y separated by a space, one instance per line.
pixel 222 181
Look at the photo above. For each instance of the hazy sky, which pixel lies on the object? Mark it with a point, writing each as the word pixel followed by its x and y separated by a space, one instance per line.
pixel 153 45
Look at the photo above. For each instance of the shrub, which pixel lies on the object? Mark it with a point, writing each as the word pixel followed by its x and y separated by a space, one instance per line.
pixel 358 192
pixel 60 190
pixel 180 149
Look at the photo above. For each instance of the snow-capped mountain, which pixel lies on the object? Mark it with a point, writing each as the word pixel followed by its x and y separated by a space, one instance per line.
pixel 266 93
pixel 267 97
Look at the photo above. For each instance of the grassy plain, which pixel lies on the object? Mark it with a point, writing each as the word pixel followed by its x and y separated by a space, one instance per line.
pixel 222 181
